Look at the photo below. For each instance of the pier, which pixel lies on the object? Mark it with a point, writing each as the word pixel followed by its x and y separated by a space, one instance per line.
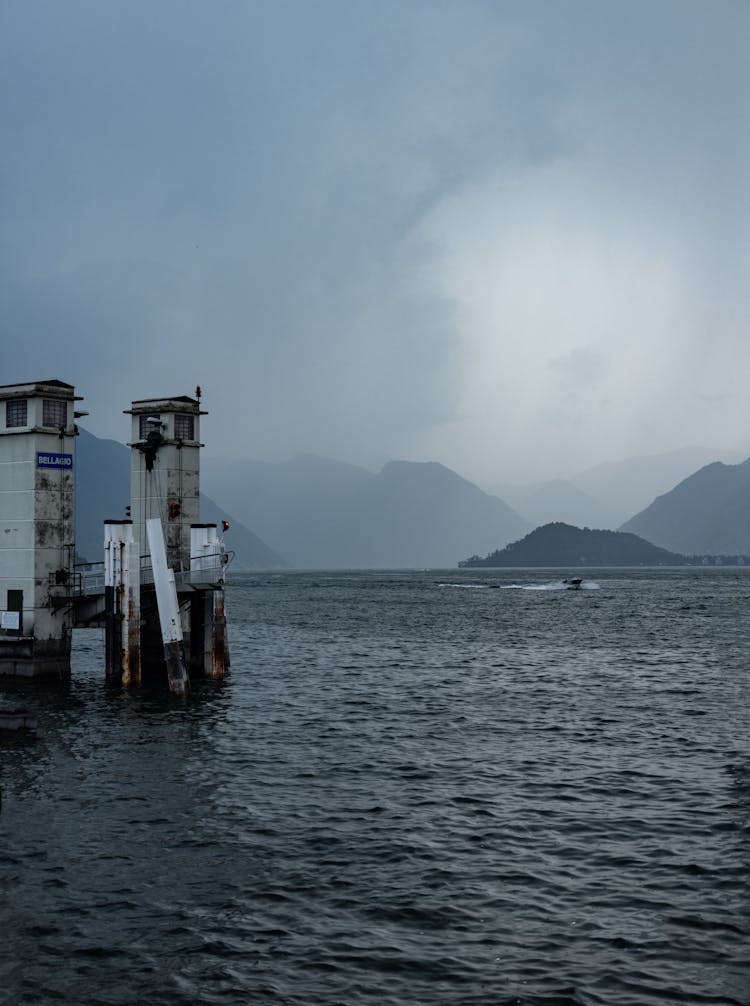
pixel 158 590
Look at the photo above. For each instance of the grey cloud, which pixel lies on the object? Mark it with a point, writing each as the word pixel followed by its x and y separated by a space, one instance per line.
pixel 240 196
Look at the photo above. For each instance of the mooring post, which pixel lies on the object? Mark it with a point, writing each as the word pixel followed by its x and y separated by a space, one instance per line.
pixel 169 609
pixel 207 570
pixel 122 598
pixel 220 648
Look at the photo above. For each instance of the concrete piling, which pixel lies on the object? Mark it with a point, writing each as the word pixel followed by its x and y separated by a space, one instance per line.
pixel 207 563
pixel 122 603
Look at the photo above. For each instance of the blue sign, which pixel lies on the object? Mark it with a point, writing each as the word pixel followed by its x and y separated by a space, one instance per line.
pixel 54 460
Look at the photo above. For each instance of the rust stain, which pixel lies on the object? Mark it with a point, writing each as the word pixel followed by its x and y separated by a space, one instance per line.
pixel 132 648
pixel 218 636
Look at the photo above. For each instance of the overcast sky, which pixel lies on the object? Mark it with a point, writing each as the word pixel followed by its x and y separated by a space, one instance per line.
pixel 512 237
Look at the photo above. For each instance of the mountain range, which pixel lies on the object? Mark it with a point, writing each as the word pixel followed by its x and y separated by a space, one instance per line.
pixel 312 512
pixel 323 513
pixel 706 513
pixel 608 494
pixel 103 491
pixel 562 500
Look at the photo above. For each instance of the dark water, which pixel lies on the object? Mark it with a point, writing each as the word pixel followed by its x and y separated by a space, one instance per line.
pixel 405 792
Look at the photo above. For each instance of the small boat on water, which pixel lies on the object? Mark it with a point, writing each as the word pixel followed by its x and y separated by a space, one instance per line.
pixel 573 582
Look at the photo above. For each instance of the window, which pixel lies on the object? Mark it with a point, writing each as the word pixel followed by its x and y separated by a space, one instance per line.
pixel 183 427
pixel 147 424
pixel 54 413
pixel 15 412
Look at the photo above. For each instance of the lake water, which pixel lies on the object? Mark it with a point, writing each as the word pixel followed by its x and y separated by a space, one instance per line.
pixel 411 788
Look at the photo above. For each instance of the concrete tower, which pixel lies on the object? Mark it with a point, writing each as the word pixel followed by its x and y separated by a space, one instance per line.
pixel 37 461
pixel 165 472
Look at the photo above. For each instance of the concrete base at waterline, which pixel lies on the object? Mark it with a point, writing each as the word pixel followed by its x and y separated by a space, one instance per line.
pixel 29 658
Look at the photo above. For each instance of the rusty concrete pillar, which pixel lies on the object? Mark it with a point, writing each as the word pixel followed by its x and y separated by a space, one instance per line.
pixel 207 566
pixel 122 597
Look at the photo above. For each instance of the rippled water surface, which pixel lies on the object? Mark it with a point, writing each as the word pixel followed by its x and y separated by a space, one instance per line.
pixel 405 791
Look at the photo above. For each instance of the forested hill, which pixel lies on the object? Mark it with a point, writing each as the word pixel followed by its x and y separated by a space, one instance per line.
pixel 560 544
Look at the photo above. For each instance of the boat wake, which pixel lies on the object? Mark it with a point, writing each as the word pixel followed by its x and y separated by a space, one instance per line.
pixel 555 585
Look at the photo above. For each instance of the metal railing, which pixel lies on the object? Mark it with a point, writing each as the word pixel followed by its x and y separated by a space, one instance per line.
pixel 87 578
pixel 90 577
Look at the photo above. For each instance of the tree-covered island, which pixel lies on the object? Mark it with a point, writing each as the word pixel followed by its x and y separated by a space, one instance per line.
pixel 559 544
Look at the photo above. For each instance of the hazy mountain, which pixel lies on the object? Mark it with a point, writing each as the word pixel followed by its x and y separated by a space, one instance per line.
pixel 250 551
pixel 324 513
pixel 559 500
pixel 308 503
pixel 559 544
pixel 103 492
pixel 709 512
pixel 102 485
pixel 627 486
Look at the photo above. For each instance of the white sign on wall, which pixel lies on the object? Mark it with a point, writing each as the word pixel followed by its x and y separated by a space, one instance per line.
pixel 10 620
